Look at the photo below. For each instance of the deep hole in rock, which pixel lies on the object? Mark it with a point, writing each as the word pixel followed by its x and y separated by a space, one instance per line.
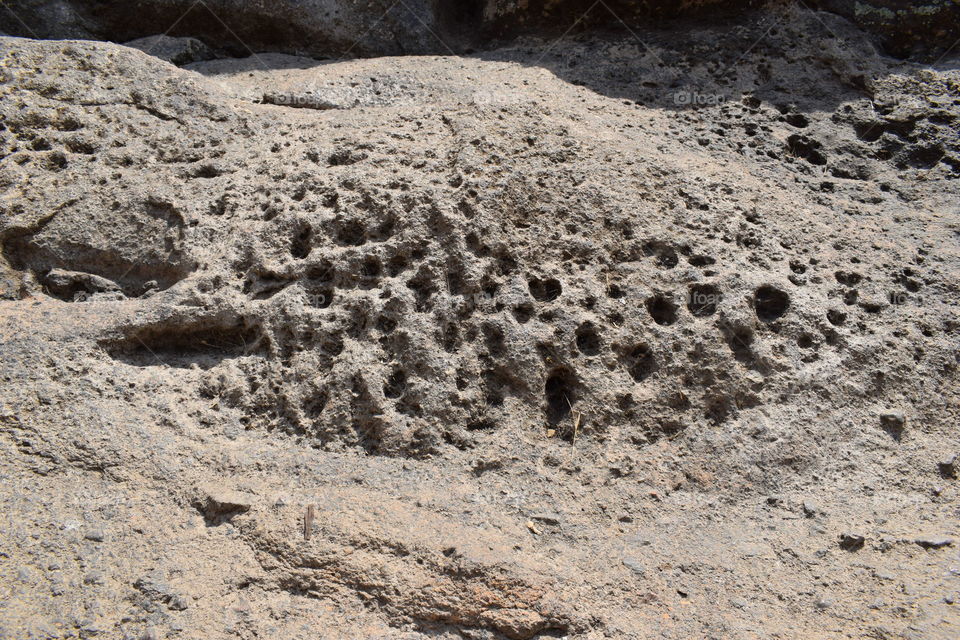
pixel 545 290
pixel 616 292
pixel 836 318
pixel 352 234
pixel 559 394
pixel 806 148
pixel 703 300
pixel 641 363
pixel 770 303
pixel 588 340
pixel 396 384
pixel 740 340
pixel 300 245
pixel 523 312
pixel 797 120
pixel 667 258
pixel 662 310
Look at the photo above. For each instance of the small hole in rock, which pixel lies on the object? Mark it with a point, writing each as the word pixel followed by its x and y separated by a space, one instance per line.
pixel 545 290
pixel 662 310
pixel 640 362
pixel 588 340
pixel 300 245
pixel 836 318
pixel 703 301
pixel 559 393
pixel 396 384
pixel 770 303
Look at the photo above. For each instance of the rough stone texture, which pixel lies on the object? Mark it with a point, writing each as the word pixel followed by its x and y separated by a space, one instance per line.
pixel 588 339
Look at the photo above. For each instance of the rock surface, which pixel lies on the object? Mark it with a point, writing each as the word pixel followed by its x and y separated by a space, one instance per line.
pixel 343 29
pixel 585 339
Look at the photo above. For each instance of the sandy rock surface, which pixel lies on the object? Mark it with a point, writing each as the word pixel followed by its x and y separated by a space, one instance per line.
pixel 649 336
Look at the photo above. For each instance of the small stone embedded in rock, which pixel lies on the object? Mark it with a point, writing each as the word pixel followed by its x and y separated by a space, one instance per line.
pixel 95 535
pixel 219 505
pixel 178 51
pixel 893 422
pixel 634 565
pixel 934 542
pixel 178 602
pixel 948 467
pixel 547 518
pixel 851 541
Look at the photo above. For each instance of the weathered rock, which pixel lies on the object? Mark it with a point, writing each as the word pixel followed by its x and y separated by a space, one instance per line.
pixel 904 28
pixel 556 258
pixel 179 51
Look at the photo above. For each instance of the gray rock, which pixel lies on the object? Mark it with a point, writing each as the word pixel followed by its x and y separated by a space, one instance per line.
pixel 154 586
pixel 220 504
pixel 934 542
pixel 341 27
pixel 547 518
pixel 948 466
pixel 76 286
pixel 851 541
pixel 893 422
pixel 179 51
pixel 94 578
pixel 95 535
pixel 179 602
pixel 635 565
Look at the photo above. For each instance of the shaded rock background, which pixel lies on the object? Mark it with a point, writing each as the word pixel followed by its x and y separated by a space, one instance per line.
pixel 623 337
pixel 338 29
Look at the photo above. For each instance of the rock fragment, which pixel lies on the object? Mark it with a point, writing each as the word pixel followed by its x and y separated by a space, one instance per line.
pixel 851 541
pixel 634 565
pixel 948 467
pixel 894 423
pixel 934 542
pixel 219 505
pixel 178 51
